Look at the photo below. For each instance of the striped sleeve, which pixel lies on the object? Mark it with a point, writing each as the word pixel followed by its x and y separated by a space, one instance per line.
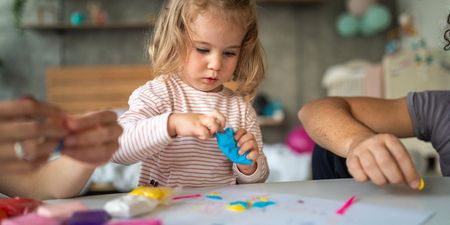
pixel 144 128
pixel 262 170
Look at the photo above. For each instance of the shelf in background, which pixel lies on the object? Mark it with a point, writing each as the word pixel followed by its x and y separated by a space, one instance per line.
pixel 269 121
pixel 88 26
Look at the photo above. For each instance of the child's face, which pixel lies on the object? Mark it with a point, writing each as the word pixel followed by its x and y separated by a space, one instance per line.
pixel 213 53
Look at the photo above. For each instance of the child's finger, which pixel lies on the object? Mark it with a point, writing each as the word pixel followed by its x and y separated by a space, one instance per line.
pixel 219 117
pixel 203 133
pixel 239 133
pixel 253 155
pixel 211 124
pixel 245 138
pixel 247 146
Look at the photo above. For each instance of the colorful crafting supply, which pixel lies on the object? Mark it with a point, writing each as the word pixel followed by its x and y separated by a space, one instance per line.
pixel 228 145
pixel 262 204
pixel 61 211
pixel 263 199
pixel 186 196
pixel 422 184
pixel 2 215
pixel 89 217
pixel 161 194
pixel 238 206
pixel 346 205
pixel 18 206
pixel 214 196
pixel 138 222
pixel 129 206
pixel 60 146
pixel 31 218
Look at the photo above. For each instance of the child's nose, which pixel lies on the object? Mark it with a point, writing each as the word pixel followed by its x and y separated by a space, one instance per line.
pixel 215 63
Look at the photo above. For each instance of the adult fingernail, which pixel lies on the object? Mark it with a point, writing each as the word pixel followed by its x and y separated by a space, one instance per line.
pixel 415 184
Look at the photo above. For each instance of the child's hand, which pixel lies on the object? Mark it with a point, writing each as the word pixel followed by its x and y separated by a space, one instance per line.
pixel 196 125
pixel 247 143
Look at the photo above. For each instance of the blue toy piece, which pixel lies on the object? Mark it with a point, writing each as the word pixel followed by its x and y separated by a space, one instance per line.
pixel 229 147
pixel 60 146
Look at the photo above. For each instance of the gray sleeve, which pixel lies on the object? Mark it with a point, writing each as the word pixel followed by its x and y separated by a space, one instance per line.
pixel 430 115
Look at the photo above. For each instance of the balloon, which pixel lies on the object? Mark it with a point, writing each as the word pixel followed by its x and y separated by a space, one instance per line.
pixel 347 25
pixel 376 19
pixel 299 141
pixel 359 7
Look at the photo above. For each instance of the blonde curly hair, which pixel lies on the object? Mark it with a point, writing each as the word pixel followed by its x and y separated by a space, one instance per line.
pixel 169 43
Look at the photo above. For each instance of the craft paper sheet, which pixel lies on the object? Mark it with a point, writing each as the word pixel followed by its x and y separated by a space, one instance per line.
pixel 288 210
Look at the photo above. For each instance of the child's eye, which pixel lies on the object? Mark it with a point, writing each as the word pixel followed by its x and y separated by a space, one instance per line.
pixel 202 50
pixel 229 54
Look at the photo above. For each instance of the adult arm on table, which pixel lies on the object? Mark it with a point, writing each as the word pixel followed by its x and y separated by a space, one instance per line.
pixel 365 131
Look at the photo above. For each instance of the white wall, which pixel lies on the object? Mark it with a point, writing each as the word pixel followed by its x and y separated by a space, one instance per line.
pixel 430 17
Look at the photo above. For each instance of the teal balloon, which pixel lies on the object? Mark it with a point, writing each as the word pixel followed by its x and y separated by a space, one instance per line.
pixel 347 25
pixel 376 19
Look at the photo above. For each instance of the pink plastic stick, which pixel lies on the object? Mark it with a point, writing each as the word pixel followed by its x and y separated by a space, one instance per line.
pixel 346 205
pixel 186 196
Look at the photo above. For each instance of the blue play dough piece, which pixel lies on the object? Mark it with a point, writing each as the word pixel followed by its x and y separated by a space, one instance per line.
pixel 229 147
pixel 263 204
pixel 242 203
pixel 214 197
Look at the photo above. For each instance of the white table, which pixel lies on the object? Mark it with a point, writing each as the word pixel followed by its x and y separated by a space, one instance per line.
pixel 435 197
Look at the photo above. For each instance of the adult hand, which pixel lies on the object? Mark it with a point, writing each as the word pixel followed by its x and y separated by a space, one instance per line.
pixel 202 126
pixel 93 137
pixel 29 132
pixel 383 159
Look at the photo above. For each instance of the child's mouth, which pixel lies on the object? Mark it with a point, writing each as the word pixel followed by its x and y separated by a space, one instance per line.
pixel 210 80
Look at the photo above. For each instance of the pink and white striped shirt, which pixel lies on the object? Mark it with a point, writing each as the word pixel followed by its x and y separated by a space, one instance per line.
pixel 183 161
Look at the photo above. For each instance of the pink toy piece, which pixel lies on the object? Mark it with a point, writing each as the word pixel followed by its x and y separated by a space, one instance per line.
pixel 18 206
pixel 186 196
pixel 346 205
pixel 138 222
pixel 299 141
pixel 61 211
pixel 31 218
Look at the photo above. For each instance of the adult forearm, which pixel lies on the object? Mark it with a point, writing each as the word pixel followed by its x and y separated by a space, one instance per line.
pixel 60 178
pixel 64 178
pixel 330 123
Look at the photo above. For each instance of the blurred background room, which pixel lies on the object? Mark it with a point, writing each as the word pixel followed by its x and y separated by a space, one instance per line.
pixel 90 54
